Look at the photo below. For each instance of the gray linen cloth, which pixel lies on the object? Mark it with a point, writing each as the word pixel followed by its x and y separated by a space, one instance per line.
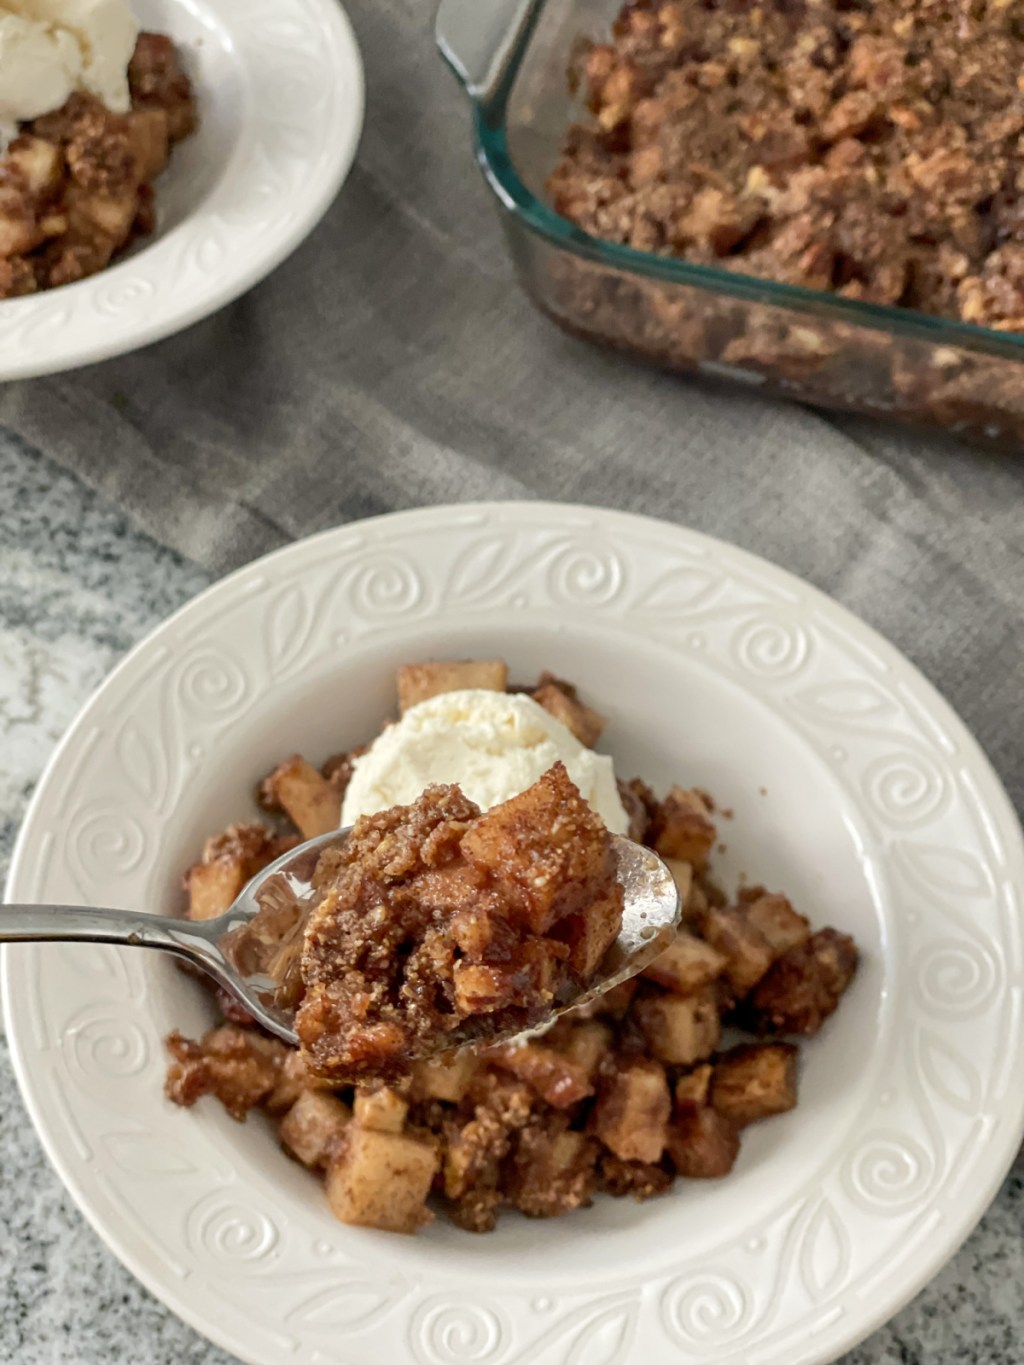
pixel 393 362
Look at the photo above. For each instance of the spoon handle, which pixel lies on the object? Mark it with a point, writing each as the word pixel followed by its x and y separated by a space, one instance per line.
pixel 87 924
pixel 198 941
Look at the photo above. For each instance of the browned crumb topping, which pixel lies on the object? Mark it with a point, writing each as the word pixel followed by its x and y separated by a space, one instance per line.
pixel 623 1096
pixel 238 1065
pixel 867 149
pixel 75 185
pixel 437 923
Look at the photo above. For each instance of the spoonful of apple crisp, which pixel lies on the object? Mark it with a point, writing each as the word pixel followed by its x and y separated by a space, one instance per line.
pixel 419 930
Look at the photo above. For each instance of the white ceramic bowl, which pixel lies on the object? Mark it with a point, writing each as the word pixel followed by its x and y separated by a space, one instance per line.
pixel 281 99
pixel 854 788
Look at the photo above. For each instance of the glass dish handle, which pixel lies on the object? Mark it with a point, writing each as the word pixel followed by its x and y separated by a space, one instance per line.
pixel 482 41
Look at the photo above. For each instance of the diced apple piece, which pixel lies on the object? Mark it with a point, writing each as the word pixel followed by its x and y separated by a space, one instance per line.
pixel 212 887
pixel 693 1091
pixel 540 848
pixel 230 859
pixel 149 137
pixel 632 1111
pixel 313 1125
pixel 560 700
pixel 39 163
pixel 687 965
pixel 755 1081
pixel 293 1079
pixel 682 875
pixel 382 1180
pixel 383 1110
pixel 804 985
pixel 447 1079
pixel 683 827
pixel 113 214
pixel 481 988
pixel 591 933
pixel 703 1144
pixel 418 682
pixel 305 795
pixel 585 1044
pixel 557 1080
pixel 775 918
pixel 680 1029
pixel 19 231
pixel 747 952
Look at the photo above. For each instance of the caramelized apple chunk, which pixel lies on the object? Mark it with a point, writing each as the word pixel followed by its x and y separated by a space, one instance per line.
pixel 633 1106
pixel 561 700
pixel 754 1081
pixel 313 1126
pixel 682 828
pixel 310 800
pixel 419 682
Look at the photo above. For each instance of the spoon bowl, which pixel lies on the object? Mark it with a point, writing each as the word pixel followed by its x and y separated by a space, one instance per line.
pixel 261 972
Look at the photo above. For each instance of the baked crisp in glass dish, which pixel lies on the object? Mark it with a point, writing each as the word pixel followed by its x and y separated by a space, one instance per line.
pixel 648 1084
pixel 870 151
pixel 817 199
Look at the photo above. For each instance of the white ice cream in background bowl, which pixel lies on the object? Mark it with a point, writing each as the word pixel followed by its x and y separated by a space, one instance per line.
pixel 51 48
pixel 492 744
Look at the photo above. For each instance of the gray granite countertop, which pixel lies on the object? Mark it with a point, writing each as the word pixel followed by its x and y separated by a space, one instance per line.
pixel 78 586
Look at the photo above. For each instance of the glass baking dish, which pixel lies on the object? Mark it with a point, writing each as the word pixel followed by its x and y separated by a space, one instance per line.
pixel 512 57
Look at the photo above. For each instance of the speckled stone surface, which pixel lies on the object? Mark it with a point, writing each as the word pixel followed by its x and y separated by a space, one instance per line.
pixel 78 586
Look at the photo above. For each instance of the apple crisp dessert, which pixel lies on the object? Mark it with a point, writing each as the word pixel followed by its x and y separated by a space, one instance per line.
pixel 76 185
pixel 623 1095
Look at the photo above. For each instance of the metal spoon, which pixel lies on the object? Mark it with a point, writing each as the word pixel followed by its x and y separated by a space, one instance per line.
pixel 650 917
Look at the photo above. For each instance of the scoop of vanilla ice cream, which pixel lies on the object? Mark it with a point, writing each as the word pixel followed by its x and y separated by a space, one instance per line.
pixel 105 31
pixel 50 48
pixel 39 69
pixel 494 745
